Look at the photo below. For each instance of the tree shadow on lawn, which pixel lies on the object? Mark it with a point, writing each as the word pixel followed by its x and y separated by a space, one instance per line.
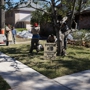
pixel 51 70
pixel 14 50
pixel 10 50
pixel 83 52
pixel 21 53
pixel 76 47
pixel 71 65
pixel 75 64
pixel 4 85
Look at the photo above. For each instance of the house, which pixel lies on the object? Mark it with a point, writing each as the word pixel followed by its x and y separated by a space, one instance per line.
pixel 20 17
pixel 84 19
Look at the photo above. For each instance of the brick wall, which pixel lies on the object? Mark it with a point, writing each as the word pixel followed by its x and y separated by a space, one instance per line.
pixel 84 22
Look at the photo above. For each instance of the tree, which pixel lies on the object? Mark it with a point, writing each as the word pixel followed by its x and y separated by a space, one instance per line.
pixel 4 4
pixel 2 15
pixel 57 7
pixel 36 16
pixel 64 8
pixel 72 7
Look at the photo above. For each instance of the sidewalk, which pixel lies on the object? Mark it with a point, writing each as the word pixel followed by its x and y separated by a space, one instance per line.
pixel 76 81
pixel 22 77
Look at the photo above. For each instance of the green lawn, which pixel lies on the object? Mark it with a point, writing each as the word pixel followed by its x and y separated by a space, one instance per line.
pixel 77 59
pixel 3 84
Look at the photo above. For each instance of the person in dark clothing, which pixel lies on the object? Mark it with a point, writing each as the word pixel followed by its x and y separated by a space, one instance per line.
pixel 64 30
pixel 35 38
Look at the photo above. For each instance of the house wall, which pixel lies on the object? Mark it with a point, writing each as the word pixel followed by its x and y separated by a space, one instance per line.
pixel 10 17
pixel 15 17
pixel 19 15
pixel 28 27
pixel 84 22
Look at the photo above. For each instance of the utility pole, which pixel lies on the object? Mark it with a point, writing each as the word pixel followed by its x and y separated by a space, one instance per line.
pixel 2 15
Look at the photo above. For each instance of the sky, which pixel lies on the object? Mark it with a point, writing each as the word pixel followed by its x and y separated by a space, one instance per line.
pixel 19 0
pixel 15 0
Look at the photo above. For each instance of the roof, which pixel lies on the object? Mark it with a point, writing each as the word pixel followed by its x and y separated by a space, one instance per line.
pixel 87 8
pixel 26 9
pixel 26 6
pixel 84 11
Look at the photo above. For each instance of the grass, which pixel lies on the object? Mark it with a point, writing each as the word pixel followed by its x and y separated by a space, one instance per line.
pixel 3 84
pixel 77 59
pixel 20 29
pixel 19 39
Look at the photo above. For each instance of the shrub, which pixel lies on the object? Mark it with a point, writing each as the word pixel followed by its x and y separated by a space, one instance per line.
pixel 81 37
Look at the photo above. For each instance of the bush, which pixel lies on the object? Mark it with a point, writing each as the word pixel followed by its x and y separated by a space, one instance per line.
pixel 81 37
pixel 85 30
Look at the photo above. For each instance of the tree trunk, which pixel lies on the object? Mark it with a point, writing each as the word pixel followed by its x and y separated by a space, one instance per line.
pixel 54 16
pixel 2 16
pixel 80 3
pixel 71 15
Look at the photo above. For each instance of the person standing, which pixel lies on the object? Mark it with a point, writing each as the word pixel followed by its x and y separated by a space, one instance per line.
pixel 8 34
pixel 64 30
pixel 14 33
pixel 35 38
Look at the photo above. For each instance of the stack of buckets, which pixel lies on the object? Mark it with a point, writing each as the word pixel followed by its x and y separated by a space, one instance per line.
pixel 2 31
